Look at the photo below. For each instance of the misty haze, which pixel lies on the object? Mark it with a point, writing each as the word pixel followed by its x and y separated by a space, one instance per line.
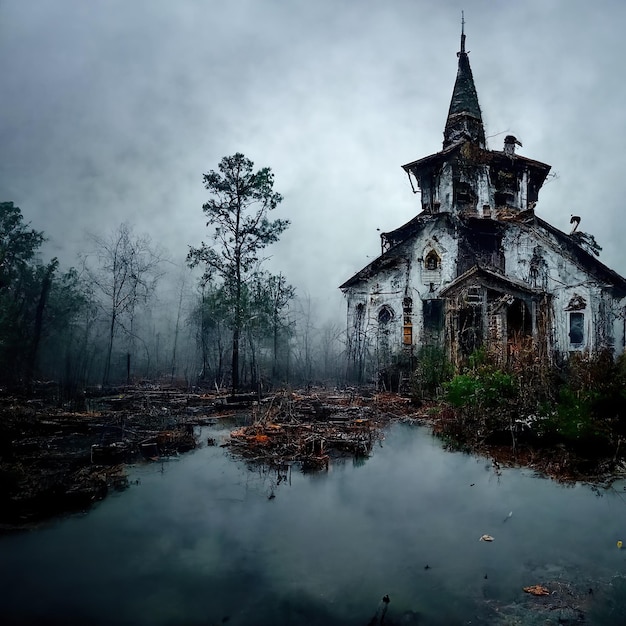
pixel 312 313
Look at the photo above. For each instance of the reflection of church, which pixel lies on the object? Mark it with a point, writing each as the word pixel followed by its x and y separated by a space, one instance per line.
pixel 477 267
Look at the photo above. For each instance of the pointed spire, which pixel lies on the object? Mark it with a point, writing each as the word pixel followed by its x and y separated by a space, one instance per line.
pixel 464 116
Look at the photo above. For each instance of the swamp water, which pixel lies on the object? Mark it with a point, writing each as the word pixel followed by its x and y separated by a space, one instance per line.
pixel 207 540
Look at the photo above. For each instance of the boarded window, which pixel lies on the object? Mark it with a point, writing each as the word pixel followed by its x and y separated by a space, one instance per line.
pixel 407 335
pixel 407 328
pixel 465 198
pixel 576 328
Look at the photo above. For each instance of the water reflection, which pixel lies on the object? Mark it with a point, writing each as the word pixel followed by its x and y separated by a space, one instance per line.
pixel 209 540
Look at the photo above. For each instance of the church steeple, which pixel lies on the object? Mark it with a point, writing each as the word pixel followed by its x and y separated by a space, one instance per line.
pixel 466 178
pixel 464 117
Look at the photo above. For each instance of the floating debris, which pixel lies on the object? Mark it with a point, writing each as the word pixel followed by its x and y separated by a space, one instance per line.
pixel 537 590
pixel 486 538
pixel 304 430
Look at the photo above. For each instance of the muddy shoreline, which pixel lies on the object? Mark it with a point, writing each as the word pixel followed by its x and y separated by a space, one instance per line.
pixel 55 461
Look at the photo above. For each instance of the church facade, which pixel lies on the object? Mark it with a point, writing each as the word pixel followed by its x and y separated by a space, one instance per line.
pixel 477 268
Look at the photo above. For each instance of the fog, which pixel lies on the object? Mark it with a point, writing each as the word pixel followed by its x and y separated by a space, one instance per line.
pixel 111 112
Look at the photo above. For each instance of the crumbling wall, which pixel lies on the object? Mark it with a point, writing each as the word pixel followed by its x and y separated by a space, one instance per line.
pixel 558 289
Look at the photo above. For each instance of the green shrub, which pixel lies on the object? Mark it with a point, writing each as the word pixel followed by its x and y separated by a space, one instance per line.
pixel 485 387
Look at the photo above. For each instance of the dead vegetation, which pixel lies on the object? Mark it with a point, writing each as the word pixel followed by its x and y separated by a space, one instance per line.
pixel 309 429
pixel 54 460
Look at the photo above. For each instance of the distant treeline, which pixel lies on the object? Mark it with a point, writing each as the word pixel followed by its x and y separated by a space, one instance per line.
pixel 127 314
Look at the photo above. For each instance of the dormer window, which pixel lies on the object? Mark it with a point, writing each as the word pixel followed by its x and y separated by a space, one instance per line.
pixel 432 261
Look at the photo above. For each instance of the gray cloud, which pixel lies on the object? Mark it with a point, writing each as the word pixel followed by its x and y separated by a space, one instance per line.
pixel 112 110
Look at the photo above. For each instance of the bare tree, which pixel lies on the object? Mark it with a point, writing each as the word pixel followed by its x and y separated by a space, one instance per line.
pixel 125 275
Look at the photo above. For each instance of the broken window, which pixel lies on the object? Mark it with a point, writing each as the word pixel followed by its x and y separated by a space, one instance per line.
pixel 433 315
pixel 358 315
pixel 385 316
pixel 518 319
pixel 482 245
pixel 506 188
pixel 465 198
pixel 576 328
pixel 432 261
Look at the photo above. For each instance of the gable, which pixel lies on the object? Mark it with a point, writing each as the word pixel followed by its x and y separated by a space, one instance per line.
pixel 565 246
pixel 401 244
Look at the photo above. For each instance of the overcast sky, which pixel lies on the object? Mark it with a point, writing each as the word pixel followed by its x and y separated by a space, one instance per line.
pixel 111 110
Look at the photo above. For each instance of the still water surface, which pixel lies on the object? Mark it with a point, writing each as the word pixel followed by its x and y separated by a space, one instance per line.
pixel 206 540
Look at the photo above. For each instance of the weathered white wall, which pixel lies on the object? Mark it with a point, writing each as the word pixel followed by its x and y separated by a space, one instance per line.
pixel 409 278
pixel 525 247
pixel 565 279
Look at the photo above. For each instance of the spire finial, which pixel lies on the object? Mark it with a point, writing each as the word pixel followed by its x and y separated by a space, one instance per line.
pixel 462 32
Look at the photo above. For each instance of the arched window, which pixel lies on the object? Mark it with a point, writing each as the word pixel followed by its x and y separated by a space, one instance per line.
pixel 432 261
pixel 385 315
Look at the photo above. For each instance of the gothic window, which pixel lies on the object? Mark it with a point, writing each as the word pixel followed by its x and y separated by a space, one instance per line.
pixel 432 261
pixel 385 315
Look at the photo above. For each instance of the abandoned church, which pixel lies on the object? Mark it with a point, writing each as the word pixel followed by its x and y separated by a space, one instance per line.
pixel 477 267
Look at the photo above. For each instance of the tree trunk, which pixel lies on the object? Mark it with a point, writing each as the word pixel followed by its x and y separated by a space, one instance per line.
pixel 237 329
pixel 235 364
pixel 41 305
pixel 107 365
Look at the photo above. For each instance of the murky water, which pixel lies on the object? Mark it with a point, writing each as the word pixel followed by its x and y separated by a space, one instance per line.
pixel 205 540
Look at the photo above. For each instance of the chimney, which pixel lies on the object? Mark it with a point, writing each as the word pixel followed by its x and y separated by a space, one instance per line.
pixel 509 144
